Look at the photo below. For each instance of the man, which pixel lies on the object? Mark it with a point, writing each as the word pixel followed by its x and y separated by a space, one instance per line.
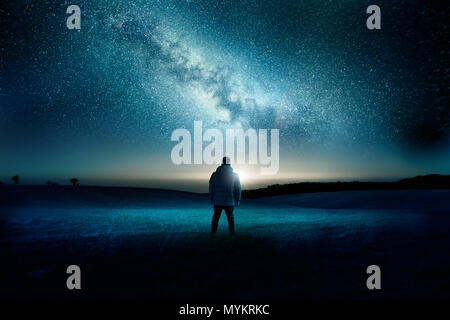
pixel 225 193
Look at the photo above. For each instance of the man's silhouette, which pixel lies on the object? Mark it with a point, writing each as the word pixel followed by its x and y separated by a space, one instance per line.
pixel 225 193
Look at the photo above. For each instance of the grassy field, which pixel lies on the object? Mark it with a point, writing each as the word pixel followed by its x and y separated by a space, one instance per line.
pixel 154 244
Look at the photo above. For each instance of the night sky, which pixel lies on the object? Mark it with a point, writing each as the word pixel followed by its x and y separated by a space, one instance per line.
pixel 100 103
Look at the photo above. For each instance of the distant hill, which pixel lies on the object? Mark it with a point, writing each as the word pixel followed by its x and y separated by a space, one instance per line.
pixel 126 197
pixel 427 182
pixel 93 196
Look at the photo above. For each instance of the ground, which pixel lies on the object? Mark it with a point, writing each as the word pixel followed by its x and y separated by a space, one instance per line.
pixel 154 244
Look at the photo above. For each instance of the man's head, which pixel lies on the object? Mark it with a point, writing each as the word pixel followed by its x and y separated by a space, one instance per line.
pixel 225 160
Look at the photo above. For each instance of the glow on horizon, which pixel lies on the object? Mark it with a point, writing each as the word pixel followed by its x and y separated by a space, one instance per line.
pixel 244 176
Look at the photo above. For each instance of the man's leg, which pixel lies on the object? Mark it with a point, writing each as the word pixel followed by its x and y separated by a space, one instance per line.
pixel 215 219
pixel 230 217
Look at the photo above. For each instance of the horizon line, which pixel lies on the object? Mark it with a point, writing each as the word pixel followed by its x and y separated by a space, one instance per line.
pixel 181 190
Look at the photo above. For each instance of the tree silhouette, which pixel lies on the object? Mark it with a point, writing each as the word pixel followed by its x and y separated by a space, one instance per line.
pixel 49 183
pixel 74 182
pixel 15 179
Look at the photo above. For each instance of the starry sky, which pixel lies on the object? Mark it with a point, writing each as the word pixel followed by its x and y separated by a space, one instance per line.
pixel 100 103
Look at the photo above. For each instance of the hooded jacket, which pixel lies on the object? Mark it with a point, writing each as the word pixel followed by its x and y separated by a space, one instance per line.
pixel 224 187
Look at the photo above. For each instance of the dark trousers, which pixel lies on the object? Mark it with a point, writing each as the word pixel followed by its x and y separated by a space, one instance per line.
pixel 216 217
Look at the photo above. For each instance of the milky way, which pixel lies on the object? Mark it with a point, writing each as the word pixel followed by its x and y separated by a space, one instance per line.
pixel 113 91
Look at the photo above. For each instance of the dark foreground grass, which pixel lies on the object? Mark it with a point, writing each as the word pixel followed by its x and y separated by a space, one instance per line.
pixel 189 267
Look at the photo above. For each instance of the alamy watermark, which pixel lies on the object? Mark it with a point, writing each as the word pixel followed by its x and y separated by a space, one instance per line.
pixel 373 22
pixel 74 280
pixel 74 20
pixel 235 147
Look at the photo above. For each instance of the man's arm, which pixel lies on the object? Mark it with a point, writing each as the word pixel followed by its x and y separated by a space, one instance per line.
pixel 237 190
pixel 212 187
